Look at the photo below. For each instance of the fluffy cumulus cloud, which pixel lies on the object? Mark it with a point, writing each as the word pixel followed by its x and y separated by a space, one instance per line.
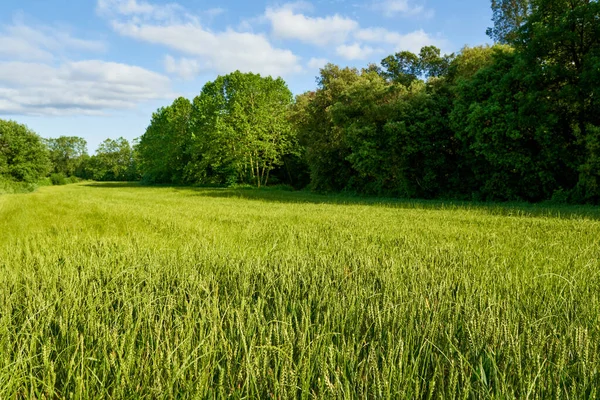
pixel 78 87
pixel 287 23
pixel 177 30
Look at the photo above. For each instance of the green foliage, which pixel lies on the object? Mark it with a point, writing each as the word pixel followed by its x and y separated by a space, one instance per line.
pixel 508 17
pixel 58 179
pixel 8 186
pixel 405 67
pixel 163 152
pixel 114 161
pixel 122 291
pixel 67 154
pixel 23 156
pixel 505 148
pixel 369 132
pixel 326 149
pixel 472 59
pixel 241 129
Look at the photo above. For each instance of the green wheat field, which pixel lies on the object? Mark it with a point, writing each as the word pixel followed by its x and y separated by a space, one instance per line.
pixel 123 291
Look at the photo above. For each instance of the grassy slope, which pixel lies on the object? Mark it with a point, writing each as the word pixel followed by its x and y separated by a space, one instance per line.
pixel 124 291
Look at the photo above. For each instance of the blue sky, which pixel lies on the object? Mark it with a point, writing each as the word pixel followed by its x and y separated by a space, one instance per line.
pixel 99 68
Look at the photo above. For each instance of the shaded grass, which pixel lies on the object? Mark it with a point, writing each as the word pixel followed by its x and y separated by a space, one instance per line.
pixel 278 195
pixel 123 291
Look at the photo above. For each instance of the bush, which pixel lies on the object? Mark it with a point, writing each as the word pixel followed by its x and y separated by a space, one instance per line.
pixel 58 179
pixel 44 182
pixel 11 187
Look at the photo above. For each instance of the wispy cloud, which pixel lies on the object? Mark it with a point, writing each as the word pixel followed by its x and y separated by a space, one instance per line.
pixel 315 63
pixel 411 41
pixel 19 41
pixel 44 71
pixel 185 68
pixel 407 8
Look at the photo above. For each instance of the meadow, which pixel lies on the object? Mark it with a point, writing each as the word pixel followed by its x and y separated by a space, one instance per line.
pixel 123 291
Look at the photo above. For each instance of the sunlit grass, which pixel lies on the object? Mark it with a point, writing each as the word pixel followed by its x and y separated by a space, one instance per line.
pixel 123 291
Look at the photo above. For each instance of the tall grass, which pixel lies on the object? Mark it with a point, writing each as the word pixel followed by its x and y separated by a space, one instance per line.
pixel 116 291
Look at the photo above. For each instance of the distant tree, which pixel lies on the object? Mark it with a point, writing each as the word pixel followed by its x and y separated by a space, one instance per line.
pixel 113 161
pixel 66 154
pixel 23 155
pixel 508 16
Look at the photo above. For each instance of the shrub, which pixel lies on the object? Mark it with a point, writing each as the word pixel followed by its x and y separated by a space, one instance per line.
pixel 58 179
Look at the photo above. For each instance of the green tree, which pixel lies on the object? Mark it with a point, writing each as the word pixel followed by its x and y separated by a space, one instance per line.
pixel 23 155
pixel 472 59
pixel 113 161
pixel 326 148
pixel 241 129
pixel 508 16
pixel 67 154
pixel 403 67
pixel 164 149
pixel 398 137
pixel 560 50
pixel 432 63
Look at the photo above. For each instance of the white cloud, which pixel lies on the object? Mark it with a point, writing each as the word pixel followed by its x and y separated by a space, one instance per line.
pixel 222 52
pixel 215 12
pixel 186 68
pixel 315 63
pixel 39 75
pixel 82 87
pixel 412 41
pixel 402 7
pixel 141 10
pixel 19 41
pixel 286 23
pixel 349 39
pixel 354 51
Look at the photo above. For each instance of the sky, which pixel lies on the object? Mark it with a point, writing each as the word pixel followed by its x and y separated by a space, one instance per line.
pixel 99 68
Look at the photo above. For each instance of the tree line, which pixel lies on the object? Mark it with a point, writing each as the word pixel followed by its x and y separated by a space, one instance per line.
pixel 26 157
pixel 519 120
